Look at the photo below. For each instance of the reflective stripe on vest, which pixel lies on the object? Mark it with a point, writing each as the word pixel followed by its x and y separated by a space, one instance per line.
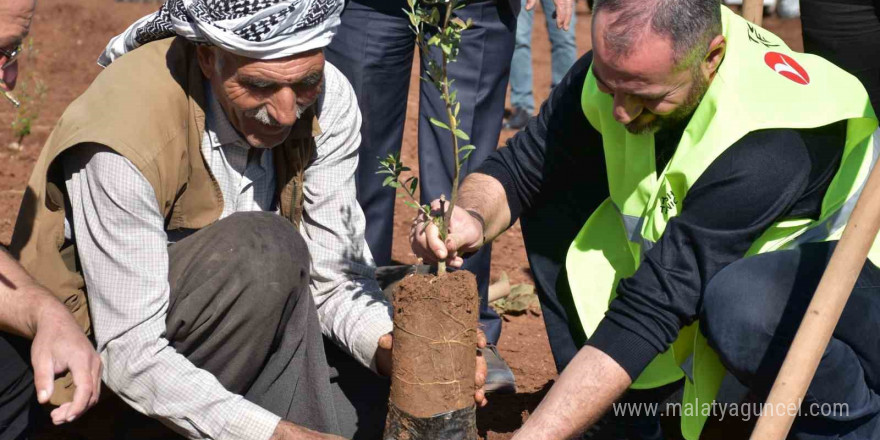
pixel 834 224
pixel 633 225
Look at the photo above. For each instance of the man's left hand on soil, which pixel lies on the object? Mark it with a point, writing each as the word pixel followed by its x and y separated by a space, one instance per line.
pixel 384 364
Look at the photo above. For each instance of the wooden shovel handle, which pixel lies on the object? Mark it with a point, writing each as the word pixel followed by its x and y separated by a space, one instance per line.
pixel 753 10
pixel 822 315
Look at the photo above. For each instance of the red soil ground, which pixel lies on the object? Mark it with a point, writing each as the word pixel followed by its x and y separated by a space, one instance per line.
pixel 68 36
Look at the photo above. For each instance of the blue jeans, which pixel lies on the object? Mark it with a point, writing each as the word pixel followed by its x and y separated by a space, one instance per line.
pixel 563 53
pixel 751 312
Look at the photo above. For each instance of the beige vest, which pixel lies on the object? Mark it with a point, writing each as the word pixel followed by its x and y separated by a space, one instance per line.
pixel 148 106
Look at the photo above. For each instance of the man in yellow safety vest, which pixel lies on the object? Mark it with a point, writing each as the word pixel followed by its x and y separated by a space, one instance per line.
pixel 680 193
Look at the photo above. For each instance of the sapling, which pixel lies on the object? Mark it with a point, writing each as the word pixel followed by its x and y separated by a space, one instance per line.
pixel 435 318
pixel 435 26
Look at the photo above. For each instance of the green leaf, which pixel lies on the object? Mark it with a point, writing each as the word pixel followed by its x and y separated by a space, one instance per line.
pixel 439 123
pixel 457 108
pixel 465 152
pixel 434 40
pixel 388 181
pixel 411 204
pixel 461 135
pixel 394 184
pixel 413 185
pixel 412 17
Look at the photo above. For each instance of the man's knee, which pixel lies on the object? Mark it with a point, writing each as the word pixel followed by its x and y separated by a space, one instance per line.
pixel 234 288
pixel 742 308
pixel 258 251
pixel 269 250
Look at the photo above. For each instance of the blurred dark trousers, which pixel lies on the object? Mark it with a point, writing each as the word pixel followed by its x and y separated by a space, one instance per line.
pixel 18 402
pixel 847 33
pixel 751 312
pixel 374 48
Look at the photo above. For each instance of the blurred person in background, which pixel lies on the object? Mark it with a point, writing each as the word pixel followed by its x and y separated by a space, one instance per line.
pixel 563 48
pixel 30 312
pixel 847 33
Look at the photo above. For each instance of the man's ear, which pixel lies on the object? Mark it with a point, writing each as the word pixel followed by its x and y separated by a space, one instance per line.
pixel 714 56
pixel 207 58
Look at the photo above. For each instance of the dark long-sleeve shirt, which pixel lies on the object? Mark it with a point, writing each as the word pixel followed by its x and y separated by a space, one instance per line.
pixel 764 177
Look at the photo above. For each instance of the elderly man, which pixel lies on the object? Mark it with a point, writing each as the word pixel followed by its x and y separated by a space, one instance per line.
pixel 691 167
pixel 28 310
pixel 201 191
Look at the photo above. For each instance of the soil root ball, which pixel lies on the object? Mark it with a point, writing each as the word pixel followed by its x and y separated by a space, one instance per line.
pixel 434 355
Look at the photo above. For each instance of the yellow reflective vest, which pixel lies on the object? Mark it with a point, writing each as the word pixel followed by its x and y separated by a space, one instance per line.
pixel 760 84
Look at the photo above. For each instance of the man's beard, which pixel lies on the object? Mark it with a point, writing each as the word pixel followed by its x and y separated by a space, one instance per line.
pixel 682 113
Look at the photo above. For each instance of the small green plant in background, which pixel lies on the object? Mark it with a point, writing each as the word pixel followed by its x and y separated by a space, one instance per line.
pixel 437 27
pixel 31 93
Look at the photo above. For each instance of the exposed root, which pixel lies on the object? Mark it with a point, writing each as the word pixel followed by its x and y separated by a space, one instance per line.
pixel 448 382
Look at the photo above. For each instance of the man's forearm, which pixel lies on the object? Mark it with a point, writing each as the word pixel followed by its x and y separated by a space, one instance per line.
pixel 584 391
pixel 484 195
pixel 21 299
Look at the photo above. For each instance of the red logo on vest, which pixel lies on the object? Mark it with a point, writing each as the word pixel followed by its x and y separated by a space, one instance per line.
pixel 787 67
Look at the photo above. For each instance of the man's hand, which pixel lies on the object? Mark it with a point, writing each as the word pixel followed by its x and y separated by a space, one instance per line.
pixel 59 346
pixel 465 235
pixel 383 365
pixel 288 431
pixel 482 371
pixel 383 355
pixel 563 11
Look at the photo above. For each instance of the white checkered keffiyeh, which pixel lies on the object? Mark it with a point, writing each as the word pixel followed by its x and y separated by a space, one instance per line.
pixel 259 29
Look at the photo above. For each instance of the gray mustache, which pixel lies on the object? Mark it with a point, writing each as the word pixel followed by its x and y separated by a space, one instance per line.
pixel 262 116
